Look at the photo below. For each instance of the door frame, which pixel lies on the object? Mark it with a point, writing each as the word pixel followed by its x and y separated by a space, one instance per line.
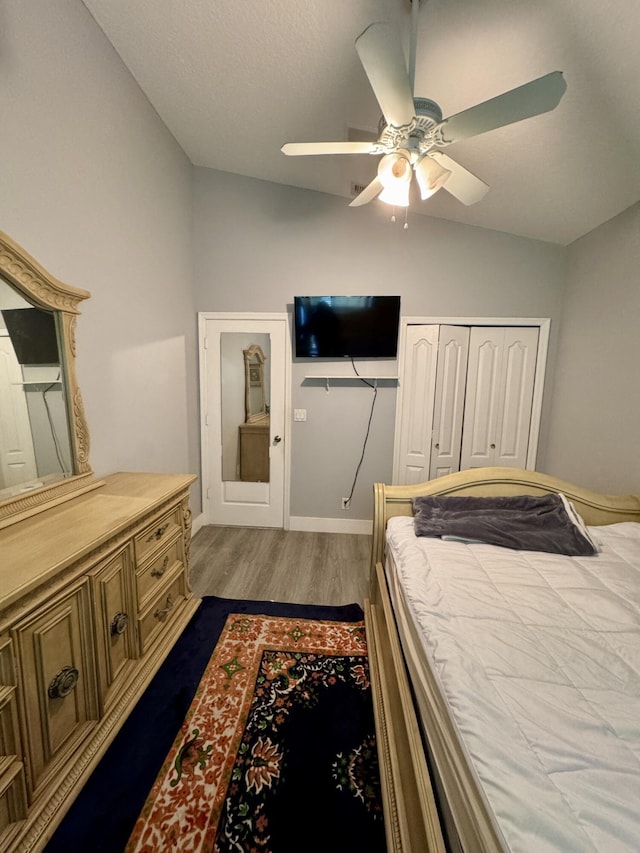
pixel 205 450
pixel 544 326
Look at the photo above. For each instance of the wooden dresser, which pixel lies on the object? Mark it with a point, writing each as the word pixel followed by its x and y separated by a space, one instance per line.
pixel 254 451
pixel 93 594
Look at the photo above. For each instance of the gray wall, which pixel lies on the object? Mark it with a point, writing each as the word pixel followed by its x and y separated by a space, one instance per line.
pixel 96 189
pixel 594 427
pixel 257 244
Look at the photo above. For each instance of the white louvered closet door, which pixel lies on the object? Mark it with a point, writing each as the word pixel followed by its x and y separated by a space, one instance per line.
pixel 420 357
pixel 500 384
pixel 451 382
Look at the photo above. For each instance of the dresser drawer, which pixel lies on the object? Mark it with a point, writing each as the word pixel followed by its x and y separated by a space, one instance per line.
pixel 13 799
pixel 157 534
pixel 9 726
pixel 9 731
pixel 115 617
pixel 153 572
pixel 158 615
pixel 54 647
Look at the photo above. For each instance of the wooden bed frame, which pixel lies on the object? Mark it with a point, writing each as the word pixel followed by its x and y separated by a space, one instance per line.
pixel 416 819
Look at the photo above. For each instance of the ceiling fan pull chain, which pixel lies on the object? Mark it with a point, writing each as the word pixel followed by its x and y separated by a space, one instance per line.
pixel 406 219
pixel 393 214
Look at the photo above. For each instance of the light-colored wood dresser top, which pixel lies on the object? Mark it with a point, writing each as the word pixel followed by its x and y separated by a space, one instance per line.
pixel 37 549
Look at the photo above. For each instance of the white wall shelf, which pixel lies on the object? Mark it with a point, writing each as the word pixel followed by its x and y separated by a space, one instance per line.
pixel 341 376
pixel 327 379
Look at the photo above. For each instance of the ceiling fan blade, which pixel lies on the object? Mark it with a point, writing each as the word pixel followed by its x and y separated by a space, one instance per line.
pixel 382 57
pixel 532 99
pixel 295 149
pixel 368 193
pixel 461 183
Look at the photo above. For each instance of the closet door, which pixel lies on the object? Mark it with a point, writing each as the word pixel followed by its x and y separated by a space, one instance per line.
pixel 420 356
pixel 451 382
pixel 500 379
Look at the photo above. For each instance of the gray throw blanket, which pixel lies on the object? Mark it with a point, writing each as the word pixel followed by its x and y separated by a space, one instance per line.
pixel 524 522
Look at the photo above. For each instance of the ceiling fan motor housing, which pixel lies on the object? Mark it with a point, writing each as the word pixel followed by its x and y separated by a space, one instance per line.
pixel 427 109
pixel 428 116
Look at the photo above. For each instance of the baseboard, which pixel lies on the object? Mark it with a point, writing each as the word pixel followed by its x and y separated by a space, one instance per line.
pixel 330 525
pixel 311 525
pixel 196 524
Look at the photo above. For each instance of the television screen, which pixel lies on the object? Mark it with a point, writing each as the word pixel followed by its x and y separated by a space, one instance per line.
pixel 33 335
pixel 346 326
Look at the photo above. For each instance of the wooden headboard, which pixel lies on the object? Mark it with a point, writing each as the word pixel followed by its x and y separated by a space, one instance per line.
pixel 594 508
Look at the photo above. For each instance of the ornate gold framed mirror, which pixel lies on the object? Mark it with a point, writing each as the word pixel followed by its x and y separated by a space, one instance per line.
pixel 44 439
pixel 255 407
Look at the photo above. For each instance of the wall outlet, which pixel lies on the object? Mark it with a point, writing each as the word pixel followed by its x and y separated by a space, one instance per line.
pixel 346 503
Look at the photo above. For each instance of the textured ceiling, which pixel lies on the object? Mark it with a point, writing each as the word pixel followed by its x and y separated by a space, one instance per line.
pixel 235 79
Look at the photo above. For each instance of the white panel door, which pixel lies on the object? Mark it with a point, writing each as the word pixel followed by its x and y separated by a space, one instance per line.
pixel 500 385
pixel 17 456
pixel 519 356
pixel 419 357
pixel 228 498
pixel 451 381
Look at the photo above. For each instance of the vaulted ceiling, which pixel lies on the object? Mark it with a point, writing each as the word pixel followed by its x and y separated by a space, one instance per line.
pixel 235 79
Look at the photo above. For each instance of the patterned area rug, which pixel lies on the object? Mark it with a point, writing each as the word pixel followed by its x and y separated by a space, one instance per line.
pixel 273 735
pixel 277 748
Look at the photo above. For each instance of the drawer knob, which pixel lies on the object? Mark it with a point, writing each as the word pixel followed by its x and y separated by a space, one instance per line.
pixel 63 682
pixel 158 572
pixel 119 624
pixel 158 534
pixel 161 613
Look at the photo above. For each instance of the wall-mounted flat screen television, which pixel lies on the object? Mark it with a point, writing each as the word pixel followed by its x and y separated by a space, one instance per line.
pixel 346 326
pixel 33 335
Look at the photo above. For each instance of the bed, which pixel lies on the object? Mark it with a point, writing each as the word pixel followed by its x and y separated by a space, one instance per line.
pixel 486 737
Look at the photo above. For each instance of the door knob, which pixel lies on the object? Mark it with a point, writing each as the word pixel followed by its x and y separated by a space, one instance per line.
pixel 277 439
pixel 493 447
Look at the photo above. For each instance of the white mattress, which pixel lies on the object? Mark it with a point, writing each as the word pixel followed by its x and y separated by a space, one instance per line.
pixel 538 656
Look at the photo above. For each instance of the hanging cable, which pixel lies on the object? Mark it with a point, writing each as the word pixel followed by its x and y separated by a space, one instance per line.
pixel 364 445
pixel 56 442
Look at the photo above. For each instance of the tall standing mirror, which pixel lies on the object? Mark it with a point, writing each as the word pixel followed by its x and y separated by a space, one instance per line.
pixel 44 440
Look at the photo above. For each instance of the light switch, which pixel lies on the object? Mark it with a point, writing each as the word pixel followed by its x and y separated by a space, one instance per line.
pixel 299 414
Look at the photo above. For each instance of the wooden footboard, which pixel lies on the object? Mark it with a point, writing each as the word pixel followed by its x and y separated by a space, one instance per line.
pixel 410 811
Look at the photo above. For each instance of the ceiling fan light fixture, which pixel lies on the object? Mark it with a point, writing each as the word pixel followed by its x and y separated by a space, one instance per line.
pixel 394 173
pixel 431 176
pixel 397 196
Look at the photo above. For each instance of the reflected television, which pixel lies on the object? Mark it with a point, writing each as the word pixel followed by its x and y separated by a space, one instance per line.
pixel 346 326
pixel 32 332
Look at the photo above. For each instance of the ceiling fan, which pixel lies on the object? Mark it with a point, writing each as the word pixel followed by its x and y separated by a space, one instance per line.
pixel 413 131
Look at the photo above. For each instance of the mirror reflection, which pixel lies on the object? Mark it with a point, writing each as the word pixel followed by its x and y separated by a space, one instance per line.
pixel 35 446
pixel 245 383
pixel 255 405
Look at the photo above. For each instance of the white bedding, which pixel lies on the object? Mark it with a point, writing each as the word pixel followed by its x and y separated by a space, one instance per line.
pixel 538 656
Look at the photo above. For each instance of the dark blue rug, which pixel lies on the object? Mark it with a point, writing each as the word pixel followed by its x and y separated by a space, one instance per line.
pixel 103 815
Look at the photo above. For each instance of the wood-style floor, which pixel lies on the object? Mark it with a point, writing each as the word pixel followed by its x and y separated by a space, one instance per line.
pixel 280 565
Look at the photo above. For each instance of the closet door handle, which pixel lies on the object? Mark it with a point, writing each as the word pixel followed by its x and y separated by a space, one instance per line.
pixel 277 439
